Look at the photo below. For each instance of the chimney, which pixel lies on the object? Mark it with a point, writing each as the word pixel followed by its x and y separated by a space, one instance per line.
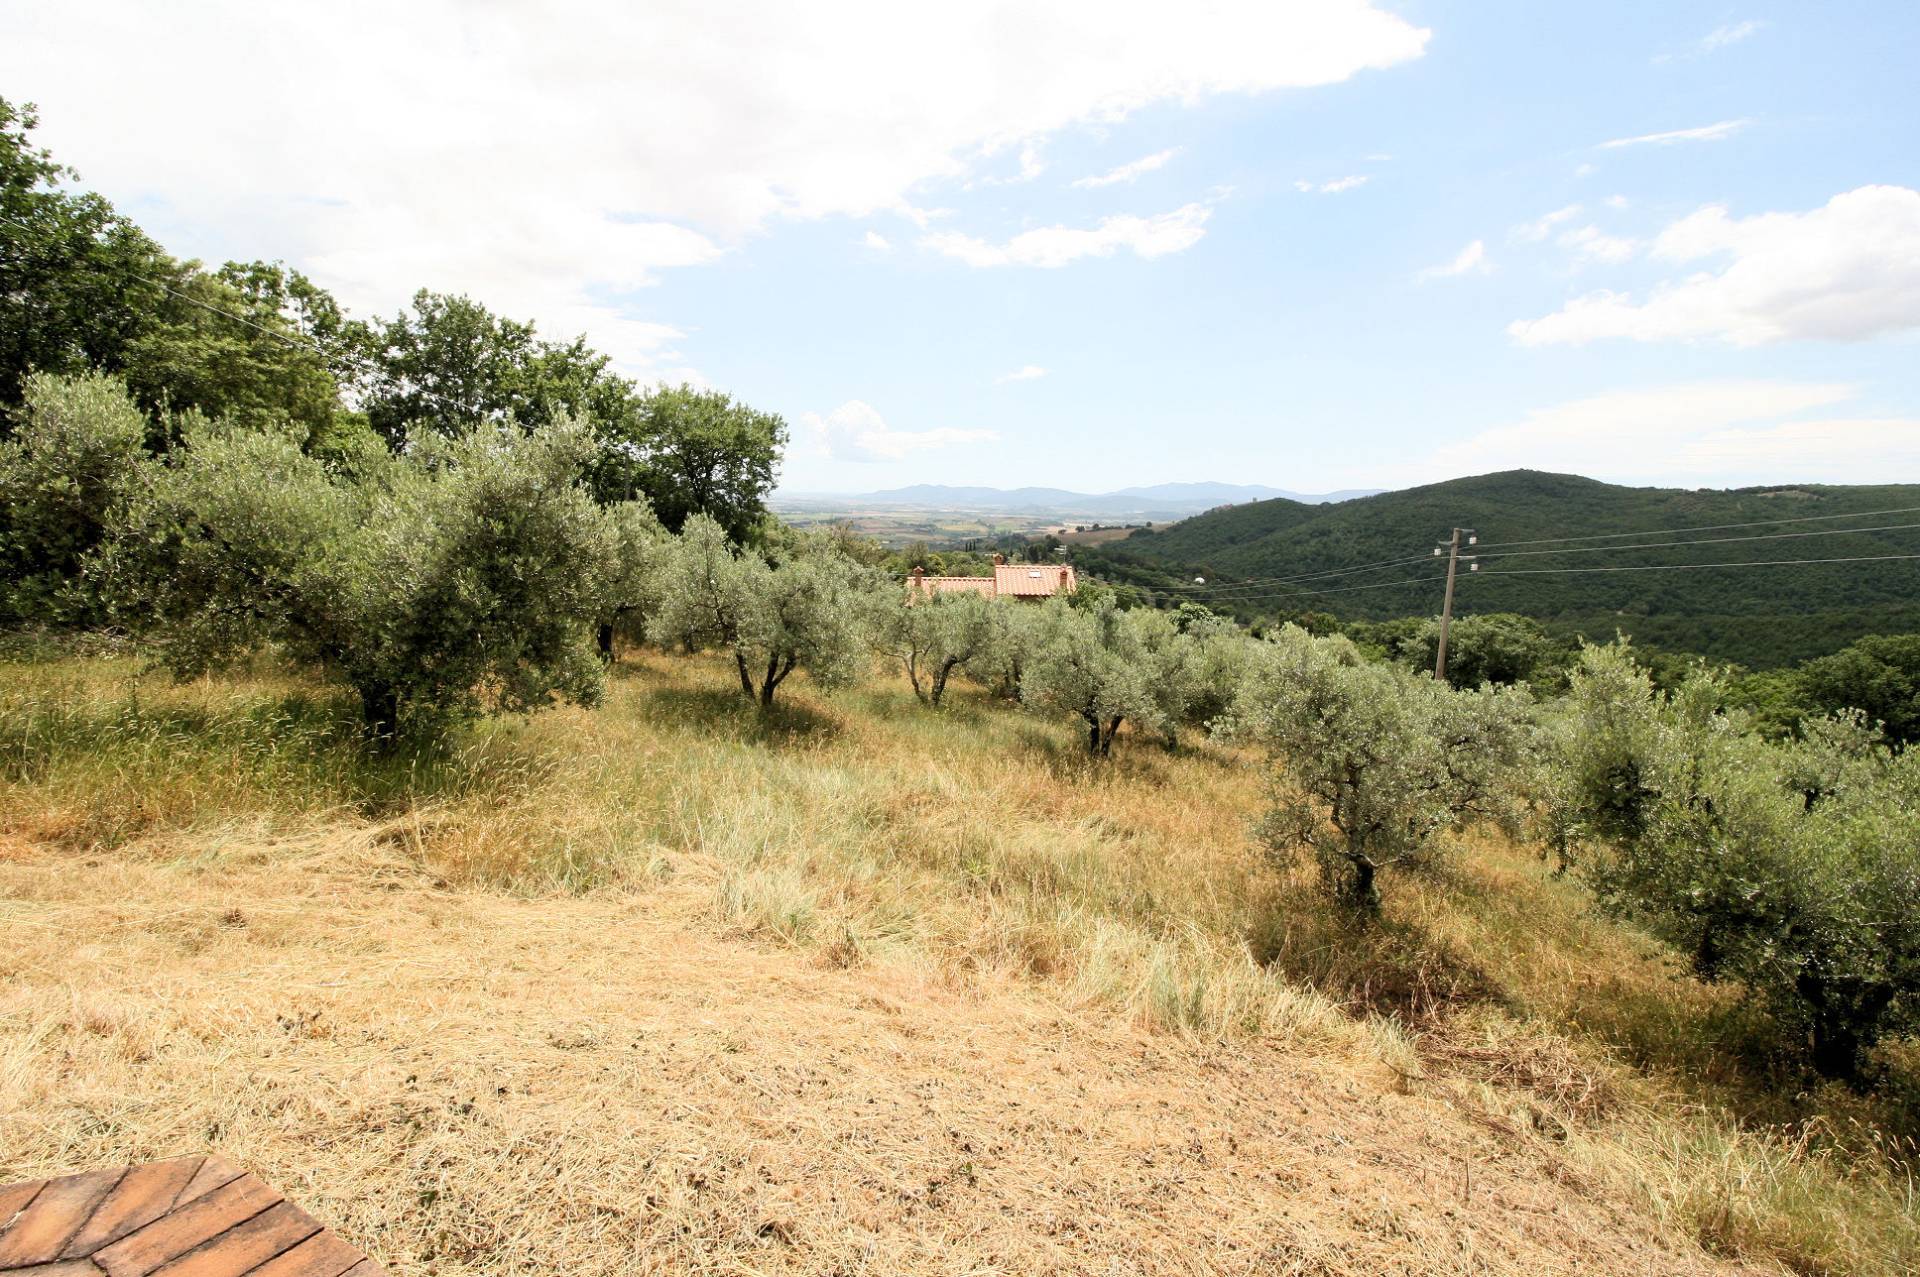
pixel 918 572
pixel 1066 574
pixel 999 560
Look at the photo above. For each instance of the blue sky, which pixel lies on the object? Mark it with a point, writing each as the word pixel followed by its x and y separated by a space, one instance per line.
pixel 1337 245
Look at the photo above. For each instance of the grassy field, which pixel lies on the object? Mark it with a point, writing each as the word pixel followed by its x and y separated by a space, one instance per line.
pixel 860 988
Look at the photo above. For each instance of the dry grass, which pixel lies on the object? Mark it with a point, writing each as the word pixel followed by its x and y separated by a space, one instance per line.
pixel 669 987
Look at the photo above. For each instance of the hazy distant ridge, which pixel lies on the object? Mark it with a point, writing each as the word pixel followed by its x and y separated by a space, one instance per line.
pixel 1157 498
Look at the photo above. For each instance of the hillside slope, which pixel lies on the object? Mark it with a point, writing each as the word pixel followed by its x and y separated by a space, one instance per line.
pixel 674 987
pixel 1758 615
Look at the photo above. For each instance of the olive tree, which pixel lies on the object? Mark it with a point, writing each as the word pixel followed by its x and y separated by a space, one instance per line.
pixel 1789 867
pixel 933 636
pixel 803 612
pixel 1090 662
pixel 1373 764
pixel 462 576
pixel 65 476
pixel 633 592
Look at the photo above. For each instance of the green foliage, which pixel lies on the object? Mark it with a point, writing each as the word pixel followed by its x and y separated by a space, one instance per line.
pixel 1499 647
pixel 1091 661
pixel 458 578
pixel 82 288
pixel 805 612
pixel 65 475
pixel 706 453
pixel 1878 675
pixel 1373 763
pixel 72 292
pixel 1792 868
pixel 934 636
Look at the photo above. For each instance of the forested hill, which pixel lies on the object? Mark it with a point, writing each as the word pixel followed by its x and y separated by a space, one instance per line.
pixel 1253 558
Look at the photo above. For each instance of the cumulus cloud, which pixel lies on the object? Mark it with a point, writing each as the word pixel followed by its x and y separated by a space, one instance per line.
pixel 1331 187
pixel 1847 271
pixel 1032 372
pixel 1717 433
pixel 1705 133
pixel 855 431
pixel 877 242
pixel 551 163
pixel 1054 246
pixel 1471 260
pixel 1130 171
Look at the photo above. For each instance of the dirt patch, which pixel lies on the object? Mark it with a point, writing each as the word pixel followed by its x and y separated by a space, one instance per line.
pixel 465 1083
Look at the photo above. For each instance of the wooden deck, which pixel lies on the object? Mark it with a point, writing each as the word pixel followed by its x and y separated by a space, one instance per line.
pixel 189 1217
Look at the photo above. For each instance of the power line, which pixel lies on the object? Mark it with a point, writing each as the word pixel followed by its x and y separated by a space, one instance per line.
pixel 1261 582
pixel 1342 589
pixel 1695 567
pixel 1662 545
pixel 1711 527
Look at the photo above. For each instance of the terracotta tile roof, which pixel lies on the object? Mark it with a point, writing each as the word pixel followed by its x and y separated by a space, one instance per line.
pixel 953 584
pixel 1032 580
pixel 189 1217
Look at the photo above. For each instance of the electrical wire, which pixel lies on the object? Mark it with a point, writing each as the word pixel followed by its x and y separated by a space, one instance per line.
pixel 1662 545
pixel 1711 527
pixel 1693 567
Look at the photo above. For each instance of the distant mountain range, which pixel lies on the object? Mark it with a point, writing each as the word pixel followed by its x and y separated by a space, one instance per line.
pixel 1160 499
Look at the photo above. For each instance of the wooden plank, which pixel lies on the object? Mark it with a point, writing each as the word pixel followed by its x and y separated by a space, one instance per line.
pixel 62 1268
pixel 321 1255
pixel 215 1172
pixel 245 1247
pixel 144 1195
pixel 59 1210
pixel 14 1199
pixel 365 1268
pixel 200 1220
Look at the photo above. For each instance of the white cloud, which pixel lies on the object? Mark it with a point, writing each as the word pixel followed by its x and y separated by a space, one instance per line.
pixel 1332 187
pixel 1053 246
pixel 1731 33
pixel 1704 433
pixel 1705 133
pixel 1584 170
pixel 1590 241
pixel 1471 260
pixel 877 242
pixel 1130 171
pixel 1542 226
pixel 551 162
pixel 855 431
pixel 1617 201
pixel 1847 271
pixel 1032 372
pixel 1714 41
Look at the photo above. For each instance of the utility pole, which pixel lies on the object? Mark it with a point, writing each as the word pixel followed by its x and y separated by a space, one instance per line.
pixel 1452 547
